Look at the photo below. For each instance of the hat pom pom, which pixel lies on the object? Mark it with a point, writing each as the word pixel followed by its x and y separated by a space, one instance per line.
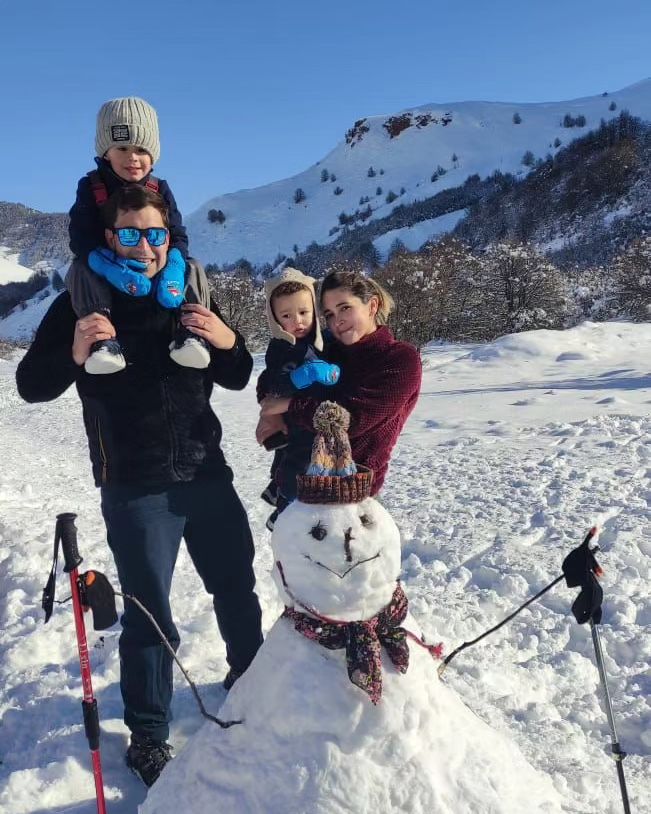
pixel 331 418
pixel 331 453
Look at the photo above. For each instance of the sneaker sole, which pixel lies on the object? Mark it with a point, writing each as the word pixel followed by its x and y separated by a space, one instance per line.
pixel 196 357
pixel 99 364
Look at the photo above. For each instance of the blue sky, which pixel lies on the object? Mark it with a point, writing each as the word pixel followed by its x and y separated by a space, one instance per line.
pixel 252 91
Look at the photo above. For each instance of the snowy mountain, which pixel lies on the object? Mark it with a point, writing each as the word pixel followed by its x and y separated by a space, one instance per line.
pixel 514 450
pixel 406 157
pixel 583 206
pixel 38 239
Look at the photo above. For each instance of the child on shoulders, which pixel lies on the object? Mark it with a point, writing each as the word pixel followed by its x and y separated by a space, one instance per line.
pixel 127 145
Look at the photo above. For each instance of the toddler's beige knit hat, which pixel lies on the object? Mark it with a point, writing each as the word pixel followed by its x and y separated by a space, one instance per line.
pixel 127 121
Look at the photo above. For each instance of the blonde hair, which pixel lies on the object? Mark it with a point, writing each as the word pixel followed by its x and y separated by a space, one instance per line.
pixel 360 286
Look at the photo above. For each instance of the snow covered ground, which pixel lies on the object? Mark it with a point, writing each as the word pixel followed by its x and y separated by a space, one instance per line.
pixel 515 449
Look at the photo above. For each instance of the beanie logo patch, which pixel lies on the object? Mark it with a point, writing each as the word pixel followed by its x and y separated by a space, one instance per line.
pixel 120 132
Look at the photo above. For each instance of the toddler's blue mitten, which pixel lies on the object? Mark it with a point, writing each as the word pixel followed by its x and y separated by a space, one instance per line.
pixel 317 372
pixel 121 272
pixel 170 292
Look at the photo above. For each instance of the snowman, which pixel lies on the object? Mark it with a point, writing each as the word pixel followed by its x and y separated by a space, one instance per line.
pixel 342 710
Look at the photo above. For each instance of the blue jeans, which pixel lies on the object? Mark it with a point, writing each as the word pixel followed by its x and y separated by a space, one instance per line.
pixel 145 528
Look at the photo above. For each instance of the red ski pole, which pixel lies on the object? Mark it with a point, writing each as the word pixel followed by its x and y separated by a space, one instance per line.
pixel 66 531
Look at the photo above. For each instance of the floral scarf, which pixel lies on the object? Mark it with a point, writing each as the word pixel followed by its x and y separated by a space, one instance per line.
pixel 363 641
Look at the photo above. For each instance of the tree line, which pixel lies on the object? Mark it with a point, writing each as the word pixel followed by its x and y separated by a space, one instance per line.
pixel 448 291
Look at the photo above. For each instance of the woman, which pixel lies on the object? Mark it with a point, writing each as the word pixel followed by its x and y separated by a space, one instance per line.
pixel 379 383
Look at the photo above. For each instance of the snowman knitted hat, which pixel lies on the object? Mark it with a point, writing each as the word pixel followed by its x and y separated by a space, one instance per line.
pixel 129 121
pixel 332 476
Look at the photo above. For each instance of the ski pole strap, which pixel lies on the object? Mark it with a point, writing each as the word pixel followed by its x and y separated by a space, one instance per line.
pixel 47 597
pixel 581 569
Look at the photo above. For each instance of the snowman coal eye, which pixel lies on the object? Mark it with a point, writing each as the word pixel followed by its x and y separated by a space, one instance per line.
pixel 367 521
pixel 319 532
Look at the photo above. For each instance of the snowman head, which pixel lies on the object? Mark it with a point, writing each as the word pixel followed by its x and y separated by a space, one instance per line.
pixel 340 560
pixel 337 549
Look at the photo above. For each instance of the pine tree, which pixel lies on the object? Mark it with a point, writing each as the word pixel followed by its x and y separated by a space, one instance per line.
pixel 633 280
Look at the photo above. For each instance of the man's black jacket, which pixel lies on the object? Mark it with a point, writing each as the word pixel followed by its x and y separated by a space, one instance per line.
pixel 150 424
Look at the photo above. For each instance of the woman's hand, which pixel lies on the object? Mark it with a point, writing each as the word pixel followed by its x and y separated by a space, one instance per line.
pixel 267 426
pixel 202 322
pixel 88 330
pixel 274 405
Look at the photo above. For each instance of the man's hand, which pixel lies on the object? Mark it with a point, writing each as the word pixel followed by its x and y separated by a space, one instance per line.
pixel 208 326
pixel 274 406
pixel 88 330
pixel 268 425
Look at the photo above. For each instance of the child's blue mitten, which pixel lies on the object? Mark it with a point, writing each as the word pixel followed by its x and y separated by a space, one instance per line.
pixel 121 272
pixel 316 372
pixel 170 292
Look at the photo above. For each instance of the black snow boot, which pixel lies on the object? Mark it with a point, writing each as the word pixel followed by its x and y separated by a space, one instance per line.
pixel 147 758
pixel 270 494
pixel 230 678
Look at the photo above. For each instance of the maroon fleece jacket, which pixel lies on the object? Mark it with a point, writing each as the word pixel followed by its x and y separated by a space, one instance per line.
pixel 379 386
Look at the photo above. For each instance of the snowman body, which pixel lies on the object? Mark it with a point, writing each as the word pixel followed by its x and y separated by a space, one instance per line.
pixel 312 742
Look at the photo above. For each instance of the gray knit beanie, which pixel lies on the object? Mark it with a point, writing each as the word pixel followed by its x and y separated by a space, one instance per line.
pixel 127 121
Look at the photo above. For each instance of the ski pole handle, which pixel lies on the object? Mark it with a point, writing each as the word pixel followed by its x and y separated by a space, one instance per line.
pixel 67 531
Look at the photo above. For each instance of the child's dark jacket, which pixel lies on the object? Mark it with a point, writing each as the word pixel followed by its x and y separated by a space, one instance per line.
pixel 280 359
pixel 86 229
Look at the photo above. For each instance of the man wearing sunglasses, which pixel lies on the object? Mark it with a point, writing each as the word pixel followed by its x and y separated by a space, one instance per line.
pixel 155 448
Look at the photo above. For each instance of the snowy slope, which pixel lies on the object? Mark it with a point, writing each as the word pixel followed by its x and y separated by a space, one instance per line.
pixel 10 270
pixel 262 222
pixel 20 324
pixel 515 448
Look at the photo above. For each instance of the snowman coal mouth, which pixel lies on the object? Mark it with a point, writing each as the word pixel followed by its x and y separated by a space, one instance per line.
pixel 348 570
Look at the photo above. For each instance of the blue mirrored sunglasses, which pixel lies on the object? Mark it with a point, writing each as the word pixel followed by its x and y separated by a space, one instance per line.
pixel 131 236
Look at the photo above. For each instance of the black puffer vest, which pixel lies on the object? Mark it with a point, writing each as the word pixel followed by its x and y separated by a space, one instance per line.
pixel 152 422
